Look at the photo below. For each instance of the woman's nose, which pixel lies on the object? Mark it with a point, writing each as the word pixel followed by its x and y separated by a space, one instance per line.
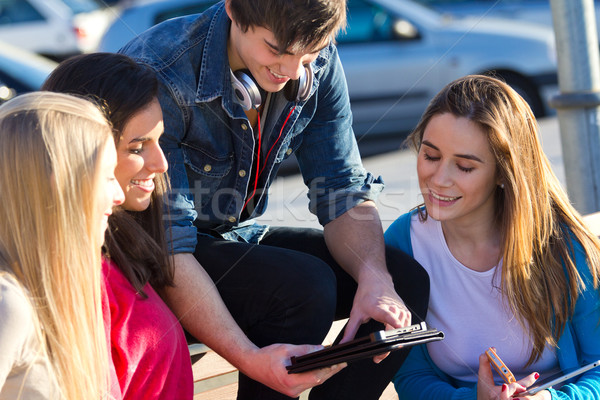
pixel 157 162
pixel 441 177
pixel 119 195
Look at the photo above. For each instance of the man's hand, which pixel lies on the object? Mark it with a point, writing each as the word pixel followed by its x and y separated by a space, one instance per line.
pixel 267 365
pixel 355 239
pixel 376 299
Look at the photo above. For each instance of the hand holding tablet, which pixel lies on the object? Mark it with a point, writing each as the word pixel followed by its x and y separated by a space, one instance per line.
pixel 369 346
pixel 552 380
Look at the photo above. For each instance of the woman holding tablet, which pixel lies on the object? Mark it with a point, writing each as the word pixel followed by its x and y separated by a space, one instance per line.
pixel 511 262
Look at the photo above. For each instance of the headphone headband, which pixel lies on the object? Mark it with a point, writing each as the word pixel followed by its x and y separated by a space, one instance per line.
pixel 250 95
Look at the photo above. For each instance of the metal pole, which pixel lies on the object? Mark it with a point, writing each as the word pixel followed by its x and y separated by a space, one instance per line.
pixel 579 99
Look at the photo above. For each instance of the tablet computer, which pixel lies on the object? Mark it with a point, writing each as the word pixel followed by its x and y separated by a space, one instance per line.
pixel 557 378
pixel 369 346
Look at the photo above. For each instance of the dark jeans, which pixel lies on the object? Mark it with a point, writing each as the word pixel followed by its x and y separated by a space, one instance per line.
pixel 289 289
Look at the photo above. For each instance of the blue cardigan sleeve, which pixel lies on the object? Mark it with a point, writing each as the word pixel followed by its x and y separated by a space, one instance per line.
pixel 580 342
pixel 398 234
pixel 420 379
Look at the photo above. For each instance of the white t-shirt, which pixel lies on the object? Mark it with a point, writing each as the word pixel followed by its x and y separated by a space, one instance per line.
pixel 24 372
pixel 468 307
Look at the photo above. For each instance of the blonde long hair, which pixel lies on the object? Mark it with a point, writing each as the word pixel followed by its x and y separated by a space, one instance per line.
pixel 50 147
pixel 537 222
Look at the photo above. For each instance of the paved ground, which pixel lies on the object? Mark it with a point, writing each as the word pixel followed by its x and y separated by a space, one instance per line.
pixel 288 204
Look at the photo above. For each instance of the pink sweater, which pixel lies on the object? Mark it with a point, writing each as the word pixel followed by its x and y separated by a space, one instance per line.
pixel 149 351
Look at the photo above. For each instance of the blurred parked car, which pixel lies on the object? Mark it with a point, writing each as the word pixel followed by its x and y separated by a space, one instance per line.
pixel 54 28
pixel 537 11
pixel 398 54
pixel 21 71
pixel 143 14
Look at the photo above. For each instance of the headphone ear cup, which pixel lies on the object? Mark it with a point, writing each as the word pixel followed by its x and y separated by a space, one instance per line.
pixel 299 90
pixel 290 90
pixel 245 90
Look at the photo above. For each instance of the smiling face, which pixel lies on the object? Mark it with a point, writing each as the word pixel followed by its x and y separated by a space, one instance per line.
pixel 258 51
pixel 140 157
pixel 457 170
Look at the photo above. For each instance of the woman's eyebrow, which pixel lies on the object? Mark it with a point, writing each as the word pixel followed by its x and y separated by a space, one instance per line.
pixel 466 156
pixel 139 139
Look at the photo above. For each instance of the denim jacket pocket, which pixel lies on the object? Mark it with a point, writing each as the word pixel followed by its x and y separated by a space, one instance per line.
pixel 206 173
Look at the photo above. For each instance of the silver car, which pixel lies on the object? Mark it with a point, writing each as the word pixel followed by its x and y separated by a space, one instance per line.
pixel 537 11
pixel 54 28
pixel 398 54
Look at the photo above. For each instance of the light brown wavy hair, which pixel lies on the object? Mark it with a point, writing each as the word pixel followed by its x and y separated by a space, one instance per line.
pixel 538 224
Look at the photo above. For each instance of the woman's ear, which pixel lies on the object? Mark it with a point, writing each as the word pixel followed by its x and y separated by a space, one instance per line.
pixel 500 183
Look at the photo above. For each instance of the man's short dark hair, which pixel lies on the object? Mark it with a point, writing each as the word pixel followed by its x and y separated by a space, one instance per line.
pixel 296 24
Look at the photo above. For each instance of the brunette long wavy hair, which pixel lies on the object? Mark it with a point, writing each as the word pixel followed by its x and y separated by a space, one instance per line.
pixel 135 240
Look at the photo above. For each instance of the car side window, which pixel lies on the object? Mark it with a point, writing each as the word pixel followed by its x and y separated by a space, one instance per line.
pixel 18 11
pixel 366 23
pixel 82 6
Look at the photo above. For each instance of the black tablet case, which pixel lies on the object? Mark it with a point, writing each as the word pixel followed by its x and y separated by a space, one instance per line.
pixel 369 346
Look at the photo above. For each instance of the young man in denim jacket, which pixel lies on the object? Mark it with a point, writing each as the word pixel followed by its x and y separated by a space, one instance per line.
pixel 225 138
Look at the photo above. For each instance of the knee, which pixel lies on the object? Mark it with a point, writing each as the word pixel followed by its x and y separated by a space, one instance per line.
pixel 312 285
pixel 306 299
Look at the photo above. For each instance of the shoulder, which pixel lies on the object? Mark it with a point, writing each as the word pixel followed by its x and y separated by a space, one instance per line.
pixel 14 305
pixel 165 43
pixel 398 234
pixel 578 255
pixel 328 58
pixel 117 284
pixel 16 316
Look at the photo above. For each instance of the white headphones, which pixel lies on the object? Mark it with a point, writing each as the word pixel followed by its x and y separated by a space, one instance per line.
pixel 250 95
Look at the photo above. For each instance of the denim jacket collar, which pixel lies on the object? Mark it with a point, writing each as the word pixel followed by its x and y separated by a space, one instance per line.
pixel 214 79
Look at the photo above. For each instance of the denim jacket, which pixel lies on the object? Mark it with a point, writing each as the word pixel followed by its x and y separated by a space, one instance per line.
pixel 209 143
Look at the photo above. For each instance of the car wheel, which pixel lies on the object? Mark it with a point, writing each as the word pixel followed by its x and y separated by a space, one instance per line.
pixel 525 88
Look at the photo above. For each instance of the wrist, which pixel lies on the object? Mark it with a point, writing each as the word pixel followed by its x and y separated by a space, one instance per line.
pixel 247 360
pixel 371 275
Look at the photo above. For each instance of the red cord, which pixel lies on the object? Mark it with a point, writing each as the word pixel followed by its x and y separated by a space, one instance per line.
pixel 280 131
pixel 257 163
pixel 258 170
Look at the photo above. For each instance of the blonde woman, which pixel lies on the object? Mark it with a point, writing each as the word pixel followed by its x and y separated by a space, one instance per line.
pixel 512 264
pixel 57 189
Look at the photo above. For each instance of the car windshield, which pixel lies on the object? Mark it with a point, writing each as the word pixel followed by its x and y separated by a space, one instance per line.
pixel 81 6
